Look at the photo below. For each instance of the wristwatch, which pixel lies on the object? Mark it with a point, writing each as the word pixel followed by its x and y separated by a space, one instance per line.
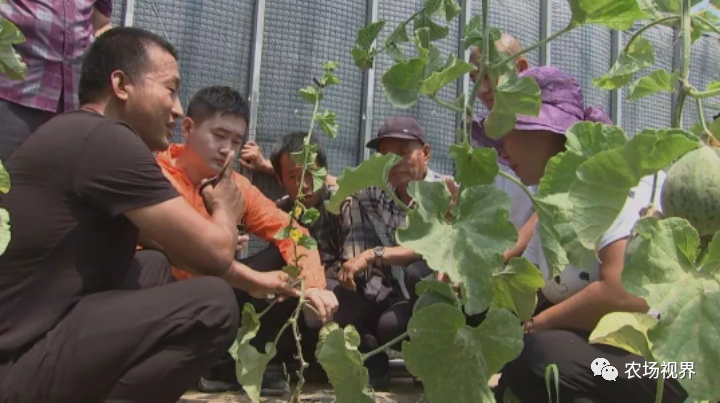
pixel 379 252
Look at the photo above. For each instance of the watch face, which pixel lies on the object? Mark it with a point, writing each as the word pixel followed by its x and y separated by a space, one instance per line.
pixel 379 250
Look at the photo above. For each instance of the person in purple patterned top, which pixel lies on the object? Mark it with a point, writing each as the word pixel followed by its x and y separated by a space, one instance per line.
pixel 56 33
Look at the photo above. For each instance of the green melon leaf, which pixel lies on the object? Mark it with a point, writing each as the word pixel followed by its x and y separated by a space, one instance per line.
pixel 310 217
pixel 372 172
pixel 614 14
pixel 454 361
pixel 11 63
pixel 328 123
pixel 552 204
pixel 516 286
pixel 319 175
pixel 474 166
pixel 367 35
pixel 342 361
pixel 363 58
pixel 513 96
pixel 636 57
pixel 474 33
pixel 449 9
pixel 250 364
pixel 469 248
pixel 310 94
pixel 251 368
pixel 435 30
pixel 307 241
pixel 4 179
pixel 604 181
pixel 431 292
pixel 292 270
pixel 401 82
pixel 627 331
pixel 5 235
pixel 438 79
pixel 657 81
pixel 664 265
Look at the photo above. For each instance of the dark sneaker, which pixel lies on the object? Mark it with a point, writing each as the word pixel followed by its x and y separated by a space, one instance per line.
pixel 206 385
pixel 274 382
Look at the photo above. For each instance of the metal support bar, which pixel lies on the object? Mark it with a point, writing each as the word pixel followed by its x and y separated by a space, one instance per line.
pixel 255 63
pixel 368 93
pixel 128 17
pixel 254 84
pixel 545 31
pixel 616 38
pixel 463 88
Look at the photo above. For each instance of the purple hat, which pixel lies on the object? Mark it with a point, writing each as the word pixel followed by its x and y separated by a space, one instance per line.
pixel 562 106
pixel 399 127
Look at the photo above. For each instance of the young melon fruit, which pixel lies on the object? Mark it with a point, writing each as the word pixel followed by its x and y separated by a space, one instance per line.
pixel 692 190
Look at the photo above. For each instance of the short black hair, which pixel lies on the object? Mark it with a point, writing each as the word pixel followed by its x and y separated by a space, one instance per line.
pixel 123 48
pixel 217 99
pixel 292 143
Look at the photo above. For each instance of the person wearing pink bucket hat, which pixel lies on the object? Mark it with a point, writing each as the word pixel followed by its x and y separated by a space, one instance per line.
pixel 571 304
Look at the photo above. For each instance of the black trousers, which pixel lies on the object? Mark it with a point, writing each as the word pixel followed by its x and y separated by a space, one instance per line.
pixel 268 259
pixel 378 322
pixel 18 122
pixel 572 353
pixel 145 343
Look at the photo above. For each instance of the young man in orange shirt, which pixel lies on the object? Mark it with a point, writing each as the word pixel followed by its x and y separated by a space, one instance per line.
pixel 215 125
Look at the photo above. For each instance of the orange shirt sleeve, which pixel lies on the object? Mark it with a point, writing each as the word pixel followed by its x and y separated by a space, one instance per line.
pixel 265 220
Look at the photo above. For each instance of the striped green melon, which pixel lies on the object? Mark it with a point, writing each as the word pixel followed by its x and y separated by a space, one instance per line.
pixel 692 190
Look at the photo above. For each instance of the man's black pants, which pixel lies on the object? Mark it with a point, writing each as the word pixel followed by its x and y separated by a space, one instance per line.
pixel 146 343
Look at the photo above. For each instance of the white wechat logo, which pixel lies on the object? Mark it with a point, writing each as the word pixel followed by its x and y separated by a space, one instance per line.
pixel 602 367
pixel 609 373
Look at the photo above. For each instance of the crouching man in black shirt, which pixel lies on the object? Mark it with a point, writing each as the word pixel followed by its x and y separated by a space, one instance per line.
pixel 73 328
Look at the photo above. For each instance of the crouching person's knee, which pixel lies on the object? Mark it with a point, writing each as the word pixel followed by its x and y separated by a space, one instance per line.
pixel 217 310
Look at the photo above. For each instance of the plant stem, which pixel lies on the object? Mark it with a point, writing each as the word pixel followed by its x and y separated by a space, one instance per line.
pixel 282 330
pixel 484 63
pixel 385 346
pixel 445 104
pixel 706 130
pixel 705 94
pixel 296 333
pixel 659 389
pixel 397 201
pixel 264 311
pixel 648 26
pixel 407 21
pixel 517 182
pixel 685 32
pixel 312 308
pixel 707 24
pixel 533 47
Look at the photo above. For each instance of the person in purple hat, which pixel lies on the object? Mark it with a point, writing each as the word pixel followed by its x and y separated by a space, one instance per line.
pixel 521 208
pixel 579 297
pixel 378 276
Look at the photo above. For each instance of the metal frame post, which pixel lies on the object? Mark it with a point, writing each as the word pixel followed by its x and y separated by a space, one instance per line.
pixel 368 93
pixel 545 31
pixel 255 64
pixel 128 14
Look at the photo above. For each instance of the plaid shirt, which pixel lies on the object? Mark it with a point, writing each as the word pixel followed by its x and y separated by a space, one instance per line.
pixel 57 32
pixel 370 218
pixel 326 232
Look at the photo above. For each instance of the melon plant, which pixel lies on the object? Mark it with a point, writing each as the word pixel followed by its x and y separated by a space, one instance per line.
pixel 580 195
pixel 692 190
